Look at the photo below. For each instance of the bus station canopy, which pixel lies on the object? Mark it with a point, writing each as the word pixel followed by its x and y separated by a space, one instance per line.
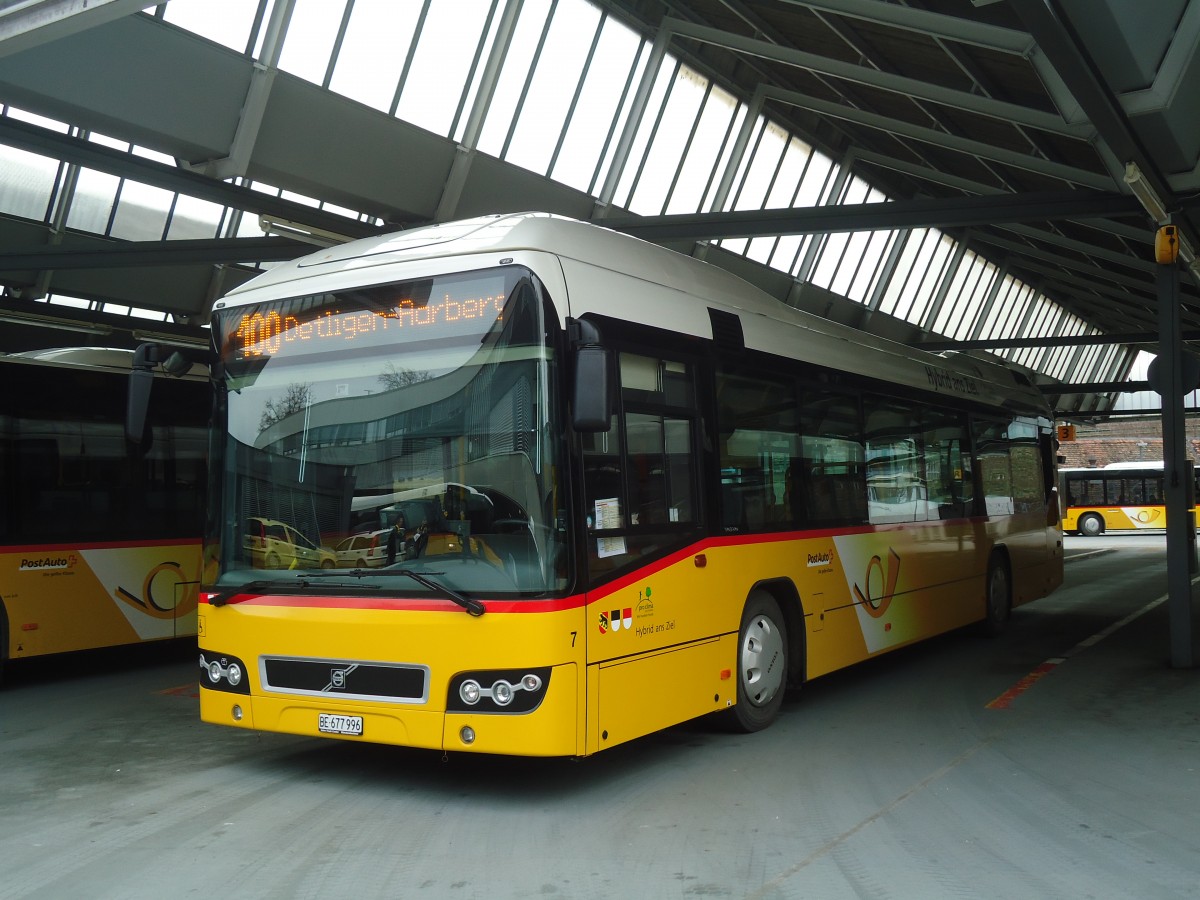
pixel 984 175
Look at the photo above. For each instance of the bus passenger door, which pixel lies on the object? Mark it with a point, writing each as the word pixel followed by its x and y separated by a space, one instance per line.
pixel 651 620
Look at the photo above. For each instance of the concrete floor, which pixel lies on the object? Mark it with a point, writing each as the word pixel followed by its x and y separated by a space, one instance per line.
pixel 893 780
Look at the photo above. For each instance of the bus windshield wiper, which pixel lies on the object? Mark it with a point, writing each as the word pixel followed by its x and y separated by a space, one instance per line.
pixel 262 586
pixel 474 607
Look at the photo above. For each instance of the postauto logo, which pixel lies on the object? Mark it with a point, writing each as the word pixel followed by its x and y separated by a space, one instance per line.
pixel 47 563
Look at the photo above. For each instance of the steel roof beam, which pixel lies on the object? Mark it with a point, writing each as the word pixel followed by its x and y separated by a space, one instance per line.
pixel 1057 39
pixel 970 186
pixel 122 254
pixel 962 30
pixel 1079 340
pixel 943 140
pixel 912 87
pixel 1096 387
pixel 91 155
pixel 932 213
pixel 29 24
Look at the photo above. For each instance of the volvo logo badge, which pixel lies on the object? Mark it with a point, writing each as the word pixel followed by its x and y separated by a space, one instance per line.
pixel 337 678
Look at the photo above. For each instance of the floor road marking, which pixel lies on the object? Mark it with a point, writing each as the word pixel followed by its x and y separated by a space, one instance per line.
pixel 1005 700
pixel 774 884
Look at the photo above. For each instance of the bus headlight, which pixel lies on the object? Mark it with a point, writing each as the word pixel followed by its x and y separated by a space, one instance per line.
pixel 502 692
pixel 470 692
pixel 508 691
pixel 222 672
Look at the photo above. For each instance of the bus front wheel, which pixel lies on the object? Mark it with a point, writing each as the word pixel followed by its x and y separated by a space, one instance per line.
pixel 761 664
pixel 1091 525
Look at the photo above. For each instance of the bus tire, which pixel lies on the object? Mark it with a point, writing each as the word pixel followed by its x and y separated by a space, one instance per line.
pixel 998 599
pixel 1091 524
pixel 762 664
pixel 3 641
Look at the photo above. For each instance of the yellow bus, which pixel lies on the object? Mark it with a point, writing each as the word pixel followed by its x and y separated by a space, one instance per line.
pixel 626 490
pixel 99 539
pixel 1116 497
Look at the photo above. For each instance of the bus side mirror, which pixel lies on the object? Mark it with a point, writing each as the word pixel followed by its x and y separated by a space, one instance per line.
pixel 592 401
pixel 141 380
pixel 592 407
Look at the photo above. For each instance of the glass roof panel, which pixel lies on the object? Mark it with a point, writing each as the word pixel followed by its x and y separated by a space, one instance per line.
pixel 225 22
pixel 28 183
pixel 92 204
pixel 194 218
pixel 373 51
pixel 310 37
pixel 614 66
pixel 664 159
pixel 141 213
pixel 663 81
pixel 710 143
pixel 438 77
pixel 543 113
pixel 521 51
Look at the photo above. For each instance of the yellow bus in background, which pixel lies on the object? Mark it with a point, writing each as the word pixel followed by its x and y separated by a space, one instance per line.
pixel 1117 497
pixel 99 539
pixel 623 489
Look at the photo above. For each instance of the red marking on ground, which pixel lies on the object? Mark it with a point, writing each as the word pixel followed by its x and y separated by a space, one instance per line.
pixel 191 689
pixel 1005 700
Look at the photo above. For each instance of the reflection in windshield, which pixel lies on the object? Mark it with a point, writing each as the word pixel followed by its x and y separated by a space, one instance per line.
pixel 401 425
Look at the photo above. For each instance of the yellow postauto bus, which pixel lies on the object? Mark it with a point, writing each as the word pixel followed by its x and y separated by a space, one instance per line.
pixel 99 539
pixel 619 487
pixel 1117 497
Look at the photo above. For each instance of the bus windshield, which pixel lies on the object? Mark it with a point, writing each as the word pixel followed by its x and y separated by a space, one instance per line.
pixel 397 428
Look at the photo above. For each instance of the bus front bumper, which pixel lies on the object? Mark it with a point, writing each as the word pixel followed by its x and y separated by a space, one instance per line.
pixel 552 729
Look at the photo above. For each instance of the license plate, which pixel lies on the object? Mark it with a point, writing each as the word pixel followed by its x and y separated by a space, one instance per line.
pixel 331 724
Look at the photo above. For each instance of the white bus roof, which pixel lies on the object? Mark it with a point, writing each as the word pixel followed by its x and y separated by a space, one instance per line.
pixel 600 257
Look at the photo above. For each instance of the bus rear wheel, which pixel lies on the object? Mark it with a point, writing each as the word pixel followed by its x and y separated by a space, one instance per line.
pixel 3 641
pixel 999 597
pixel 1091 525
pixel 762 664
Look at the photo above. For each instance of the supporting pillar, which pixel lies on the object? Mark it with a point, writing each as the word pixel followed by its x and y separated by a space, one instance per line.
pixel 1177 471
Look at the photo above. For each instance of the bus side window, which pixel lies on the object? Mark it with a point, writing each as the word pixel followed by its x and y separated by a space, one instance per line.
pixel 759 448
pixel 640 476
pixel 833 488
pixel 601 468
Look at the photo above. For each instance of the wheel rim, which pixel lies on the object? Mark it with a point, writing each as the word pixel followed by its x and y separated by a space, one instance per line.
pixel 762 657
pixel 998 585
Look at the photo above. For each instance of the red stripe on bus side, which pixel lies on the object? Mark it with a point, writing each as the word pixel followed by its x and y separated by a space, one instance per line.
pixel 574 601
pixel 99 545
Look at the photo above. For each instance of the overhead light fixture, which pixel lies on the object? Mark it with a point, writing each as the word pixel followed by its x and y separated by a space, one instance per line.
pixel 1141 188
pixel 40 321
pixel 297 231
pixel 172 340
pixel 1157 210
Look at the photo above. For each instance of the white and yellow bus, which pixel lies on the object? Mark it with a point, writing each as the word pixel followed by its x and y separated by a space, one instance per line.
pixel 1116 497
pixel 639 490
pixel 99 539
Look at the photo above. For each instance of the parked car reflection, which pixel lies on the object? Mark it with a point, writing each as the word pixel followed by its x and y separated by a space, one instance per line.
pixel 271 544
pixel 363 550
